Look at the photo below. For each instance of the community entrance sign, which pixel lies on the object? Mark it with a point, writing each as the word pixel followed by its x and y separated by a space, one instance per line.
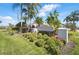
pixel 63 34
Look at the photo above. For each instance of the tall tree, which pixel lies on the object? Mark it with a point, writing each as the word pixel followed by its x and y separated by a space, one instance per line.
pixel 25 18
pixel 32 10
pixel 72 18
pixel 21 6
pixel 39 20
pixel 53 20
pixel 29 9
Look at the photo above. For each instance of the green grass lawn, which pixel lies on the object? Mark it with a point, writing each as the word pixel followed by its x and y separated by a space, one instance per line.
pixel 17 45
pixel 28 43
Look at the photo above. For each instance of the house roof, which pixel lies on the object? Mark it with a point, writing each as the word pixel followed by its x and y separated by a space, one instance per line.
pixel 45 28
pixel 19 24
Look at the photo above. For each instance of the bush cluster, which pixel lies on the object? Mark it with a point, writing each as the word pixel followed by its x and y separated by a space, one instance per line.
pixel 51 44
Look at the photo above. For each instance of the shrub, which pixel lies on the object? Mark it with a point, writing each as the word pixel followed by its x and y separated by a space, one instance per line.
pixel 51 44
pixel 30 36
pixel 74 37
pixel 38 43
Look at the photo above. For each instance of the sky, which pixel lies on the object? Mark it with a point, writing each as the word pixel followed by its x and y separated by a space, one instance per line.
pixel 8 15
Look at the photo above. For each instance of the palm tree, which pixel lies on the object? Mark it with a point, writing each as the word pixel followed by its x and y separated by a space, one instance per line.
pixel 29 9
pixel 25 18
pixel 21 6
pixel 73 18
pixel 50 21
pixel 53 20
pixel 39 20
pixel 33 10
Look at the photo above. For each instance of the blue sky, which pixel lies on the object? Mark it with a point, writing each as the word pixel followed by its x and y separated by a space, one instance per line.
pixel 8 15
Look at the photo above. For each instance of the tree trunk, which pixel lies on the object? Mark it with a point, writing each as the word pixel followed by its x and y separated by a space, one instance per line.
pixel 74 25
pixel 30 24
pixel 21 17
pixel 25 21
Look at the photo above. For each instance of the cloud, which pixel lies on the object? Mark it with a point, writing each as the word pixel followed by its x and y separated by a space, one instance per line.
pixel 41 14
pixel 47 8
pixel 6 20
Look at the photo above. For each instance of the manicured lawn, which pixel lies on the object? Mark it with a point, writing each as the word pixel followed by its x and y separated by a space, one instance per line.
pixel 28 43
pixel 32 44
pixel 17 45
